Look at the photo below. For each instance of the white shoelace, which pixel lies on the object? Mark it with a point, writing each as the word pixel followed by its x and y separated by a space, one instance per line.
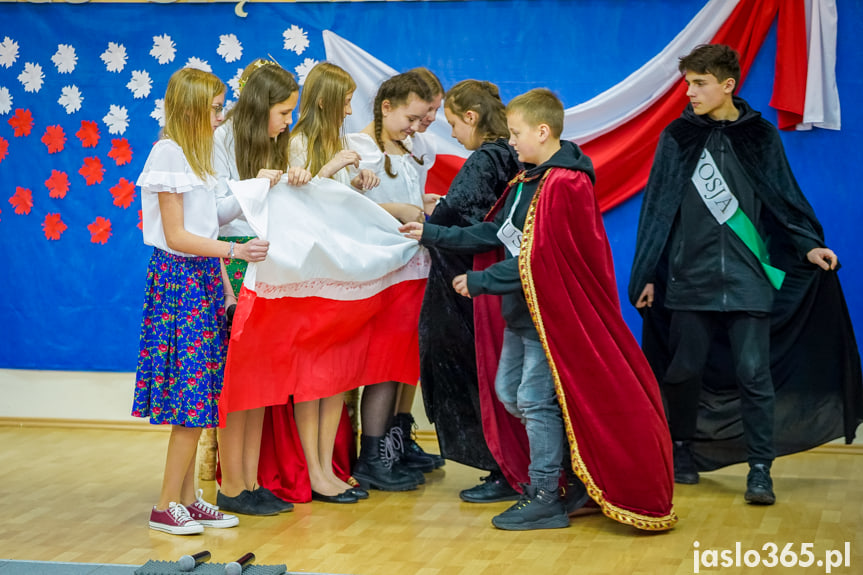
pixel 179 513
pixel 208 507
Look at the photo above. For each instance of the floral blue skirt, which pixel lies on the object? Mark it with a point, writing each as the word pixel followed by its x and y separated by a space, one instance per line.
pixel 183 342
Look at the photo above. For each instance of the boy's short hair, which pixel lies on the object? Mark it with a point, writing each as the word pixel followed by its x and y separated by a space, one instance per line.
pixel 539 106
pixel 717 59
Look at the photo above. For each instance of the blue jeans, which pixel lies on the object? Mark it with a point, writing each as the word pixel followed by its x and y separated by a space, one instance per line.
pixel 525 387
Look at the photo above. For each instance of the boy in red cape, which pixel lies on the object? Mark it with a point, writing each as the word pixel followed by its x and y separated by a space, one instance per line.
pixel 569 368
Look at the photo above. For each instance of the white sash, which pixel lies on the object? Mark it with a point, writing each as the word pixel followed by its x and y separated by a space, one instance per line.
pixel 713 189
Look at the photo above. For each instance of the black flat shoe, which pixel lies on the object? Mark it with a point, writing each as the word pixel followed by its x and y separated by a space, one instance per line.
pixel 343 497
pixel 358 492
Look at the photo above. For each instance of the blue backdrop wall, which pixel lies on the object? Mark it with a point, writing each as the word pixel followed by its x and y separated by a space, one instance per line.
pixel 74 302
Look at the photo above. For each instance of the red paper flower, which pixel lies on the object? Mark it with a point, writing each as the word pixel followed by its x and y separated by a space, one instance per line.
pixel 57 184
pixel 53 226
pixel 120 151
pixel 92 170
pixel 22 121
pixel 4 148
pixel 140 220
pixel 124 193
pixel 22 200
pixel 88 134
pixel 54 138
pixel 100 230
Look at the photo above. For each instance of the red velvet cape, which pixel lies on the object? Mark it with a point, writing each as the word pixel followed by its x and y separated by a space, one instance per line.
pixel 619 442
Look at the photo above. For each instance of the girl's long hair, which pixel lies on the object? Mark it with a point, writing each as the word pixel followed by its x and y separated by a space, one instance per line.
pixel 254 149
pixel 484 99
pixel 322 113
pixel 397 91
pixel 188 104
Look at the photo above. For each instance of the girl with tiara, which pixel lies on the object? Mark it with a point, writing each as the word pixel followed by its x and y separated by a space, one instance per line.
pixel 252 143
pixel 183 335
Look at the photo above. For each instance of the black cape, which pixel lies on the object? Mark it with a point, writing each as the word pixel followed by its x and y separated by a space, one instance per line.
pixel 446 330
pixel 815 362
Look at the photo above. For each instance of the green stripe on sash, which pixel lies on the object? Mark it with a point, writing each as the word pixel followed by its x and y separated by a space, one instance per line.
pixel 741 225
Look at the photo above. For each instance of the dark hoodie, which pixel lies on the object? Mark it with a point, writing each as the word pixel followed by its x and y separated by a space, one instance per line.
pixel 503 278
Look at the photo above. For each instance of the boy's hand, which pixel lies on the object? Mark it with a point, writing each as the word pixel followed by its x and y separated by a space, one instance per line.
pixel 272 175
pixel 823 258
pixel 459 284
pixel 646 297
pixel 298 176
pixel 413 230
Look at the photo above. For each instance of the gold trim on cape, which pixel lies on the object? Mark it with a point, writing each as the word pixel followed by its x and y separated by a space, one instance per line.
pixel 625 516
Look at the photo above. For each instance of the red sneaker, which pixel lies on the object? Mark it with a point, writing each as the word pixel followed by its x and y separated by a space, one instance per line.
pixel 209 515
pixel 174 520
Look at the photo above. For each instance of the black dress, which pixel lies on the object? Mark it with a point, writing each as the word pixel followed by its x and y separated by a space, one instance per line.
pixel 446 331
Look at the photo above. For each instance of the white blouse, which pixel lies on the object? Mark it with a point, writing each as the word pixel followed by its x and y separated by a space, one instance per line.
pixel 425 148
pixel 231 219
pixel 404 188
pixel 167 170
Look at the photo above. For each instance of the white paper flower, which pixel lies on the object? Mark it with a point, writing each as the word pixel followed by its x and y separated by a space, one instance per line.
pixel 65 59
pixel 5 100
pixel 140 84
pixel 8 52
pixel 114 57
pixel 198 63
pixel 31 77
pixel 229 48
pixel 117 119
pixel 303 69
pixel 70 98
pixel 295 39
pixel 234 82
pixel 229 104
pixel 158 112
pixel 163 49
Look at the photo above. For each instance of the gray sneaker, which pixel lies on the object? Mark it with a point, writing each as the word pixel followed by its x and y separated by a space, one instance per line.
pixel 536 509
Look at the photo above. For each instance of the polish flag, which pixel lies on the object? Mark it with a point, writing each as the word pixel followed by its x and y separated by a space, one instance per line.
pixel 333 307
pixel 620 127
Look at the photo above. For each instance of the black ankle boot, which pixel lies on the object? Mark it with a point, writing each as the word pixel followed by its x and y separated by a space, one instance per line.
pixel 412 454
pixel 375 469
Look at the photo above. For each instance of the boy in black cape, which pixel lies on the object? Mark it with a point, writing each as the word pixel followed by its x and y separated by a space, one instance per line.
pixel 784 373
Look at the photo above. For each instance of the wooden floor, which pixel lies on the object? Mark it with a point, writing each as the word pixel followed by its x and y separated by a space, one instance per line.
pixel 83 495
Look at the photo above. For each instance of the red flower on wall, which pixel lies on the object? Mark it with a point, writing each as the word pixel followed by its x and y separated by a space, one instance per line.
pixel 57 184
pixel 140 220
pixel 92 170
pixel 124 193
pixel 100 230
pixel 22 121
pixel 88 134
pixel 120 152
pixel 22 200
pixel 54 138
pixel 4 148
pixel 53 226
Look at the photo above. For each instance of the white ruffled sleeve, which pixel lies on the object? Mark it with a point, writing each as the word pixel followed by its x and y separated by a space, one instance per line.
pixel 167 170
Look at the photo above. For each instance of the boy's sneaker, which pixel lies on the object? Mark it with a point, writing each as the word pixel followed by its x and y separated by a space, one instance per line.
pixel 493 488
pixel 209 515
pixel 246 503
pixel 536 509
pixel 759 486
pixel 174 520
pixel 574 495
pixel 685 471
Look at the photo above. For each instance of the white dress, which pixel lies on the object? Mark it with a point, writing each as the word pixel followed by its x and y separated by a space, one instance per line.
pixel 167 170
pixel 404 188
pixel 424 148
